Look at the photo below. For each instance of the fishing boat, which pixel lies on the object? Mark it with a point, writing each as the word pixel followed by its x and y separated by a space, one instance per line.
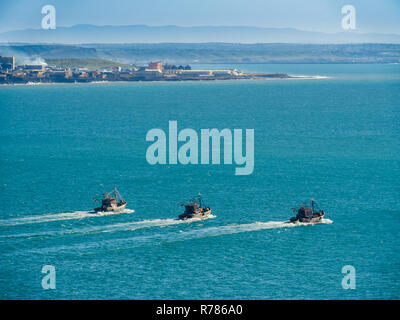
pixel 306 214
pixel 195 209
pixel 111 201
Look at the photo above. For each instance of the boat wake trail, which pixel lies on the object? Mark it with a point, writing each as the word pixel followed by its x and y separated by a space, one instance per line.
pixel 131 226
pixel 125 226
pixel 49 217
pixel 221 230
pixel 150 223
pixel 156 239
pixel 249 227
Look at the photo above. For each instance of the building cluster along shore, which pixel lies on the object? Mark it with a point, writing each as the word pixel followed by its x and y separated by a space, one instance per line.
pixel 11 73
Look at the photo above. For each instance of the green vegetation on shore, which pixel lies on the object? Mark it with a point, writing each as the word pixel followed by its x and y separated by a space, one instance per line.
pixel 91 64
pixel 99 55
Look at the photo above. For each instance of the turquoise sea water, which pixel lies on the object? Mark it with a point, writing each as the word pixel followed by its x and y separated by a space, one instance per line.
pixel 336 139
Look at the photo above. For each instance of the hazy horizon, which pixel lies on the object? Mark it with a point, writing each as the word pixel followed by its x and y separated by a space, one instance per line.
pixel 90 33
pixel 205 26
pixel 315 15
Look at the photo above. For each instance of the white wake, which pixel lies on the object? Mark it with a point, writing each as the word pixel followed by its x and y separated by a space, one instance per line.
pixel 248 227
pixel 124 226
pixel 49 217
pixel 141 240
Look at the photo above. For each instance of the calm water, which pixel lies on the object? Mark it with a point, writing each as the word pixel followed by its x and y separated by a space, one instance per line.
pixel 337 140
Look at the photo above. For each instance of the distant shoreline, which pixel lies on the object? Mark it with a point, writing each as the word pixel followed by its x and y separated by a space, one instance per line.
pixel 161 81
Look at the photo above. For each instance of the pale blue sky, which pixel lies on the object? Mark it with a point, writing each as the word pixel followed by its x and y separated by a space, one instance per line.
pixel 382 16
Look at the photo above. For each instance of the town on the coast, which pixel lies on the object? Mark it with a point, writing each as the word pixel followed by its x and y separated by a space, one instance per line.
pixel 11 73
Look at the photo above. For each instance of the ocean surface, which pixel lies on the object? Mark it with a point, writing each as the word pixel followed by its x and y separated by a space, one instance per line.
pixel 335 139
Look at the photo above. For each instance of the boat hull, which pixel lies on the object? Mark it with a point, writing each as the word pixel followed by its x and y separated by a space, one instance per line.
pixel 314 219
pixel 111 208
pixel 199 215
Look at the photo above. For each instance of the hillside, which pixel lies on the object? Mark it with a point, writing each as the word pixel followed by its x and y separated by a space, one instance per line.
pixel 187 53
pixel 91 64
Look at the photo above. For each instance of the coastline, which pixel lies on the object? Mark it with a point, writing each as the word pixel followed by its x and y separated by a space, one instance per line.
pixel 288 77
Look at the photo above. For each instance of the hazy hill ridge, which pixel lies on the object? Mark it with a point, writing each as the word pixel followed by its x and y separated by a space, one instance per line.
pixel 154 34
pixel 181 53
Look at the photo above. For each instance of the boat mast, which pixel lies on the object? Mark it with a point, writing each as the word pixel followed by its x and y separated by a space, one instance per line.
pixel 118 196
pixel 199 196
